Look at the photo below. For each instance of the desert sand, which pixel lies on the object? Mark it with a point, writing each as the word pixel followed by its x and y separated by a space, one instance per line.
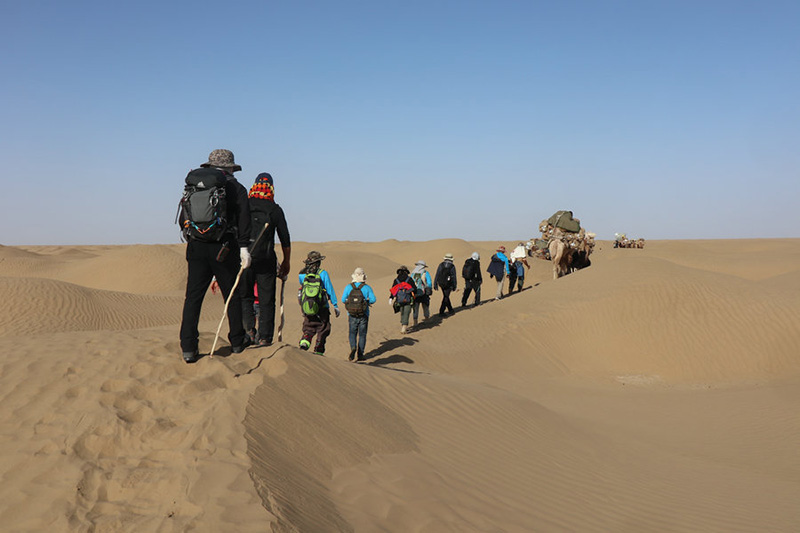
pixel 657 390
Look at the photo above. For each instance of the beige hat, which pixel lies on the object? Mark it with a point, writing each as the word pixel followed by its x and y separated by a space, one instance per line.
pixel 359 276
pixel 448 257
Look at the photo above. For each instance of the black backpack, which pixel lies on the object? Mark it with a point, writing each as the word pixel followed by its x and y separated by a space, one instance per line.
pixel 356 304
pixel 449 275
pixel 203 209
pixel 470 269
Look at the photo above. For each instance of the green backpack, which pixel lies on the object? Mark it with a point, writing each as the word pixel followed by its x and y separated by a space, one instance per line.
pixel 312 295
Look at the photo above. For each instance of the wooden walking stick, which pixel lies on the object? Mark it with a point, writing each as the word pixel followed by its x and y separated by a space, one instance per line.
pixel 230 294
pixel 280 326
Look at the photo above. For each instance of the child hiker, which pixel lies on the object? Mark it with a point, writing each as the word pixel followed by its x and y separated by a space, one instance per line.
pixel 316 291
pixel 357 297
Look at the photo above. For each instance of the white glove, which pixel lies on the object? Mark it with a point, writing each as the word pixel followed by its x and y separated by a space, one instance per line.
pixel 336 310
pixel 244 253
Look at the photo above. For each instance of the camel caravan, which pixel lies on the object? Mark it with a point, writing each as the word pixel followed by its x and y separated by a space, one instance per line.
pixel 564 242
pixel 622 241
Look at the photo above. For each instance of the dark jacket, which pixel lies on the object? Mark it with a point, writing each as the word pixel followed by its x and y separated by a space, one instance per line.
pixel 266 211
pixel 446 276
pixel 238 210
pixel 475 268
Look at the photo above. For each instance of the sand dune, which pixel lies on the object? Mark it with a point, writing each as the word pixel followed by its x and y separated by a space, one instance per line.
pixel 657 390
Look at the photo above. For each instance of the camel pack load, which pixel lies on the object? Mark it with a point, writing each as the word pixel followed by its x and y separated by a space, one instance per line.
pixel 564 226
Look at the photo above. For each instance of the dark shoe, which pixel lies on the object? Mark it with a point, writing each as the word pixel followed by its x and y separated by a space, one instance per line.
pixel 319 353
pixel 304 344
pixel 252 334
pixel 245 343
pixel 191 357
pixel 264 342
pixel 352 356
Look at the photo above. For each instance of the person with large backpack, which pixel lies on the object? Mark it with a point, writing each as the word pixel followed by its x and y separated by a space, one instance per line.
pixel 423 288
pixel 315 292
pixel 267 218
pixel 401 296
pixel 471 272
pixel 215 222
pixel 498 269
pixel 357 298
pixel 447 280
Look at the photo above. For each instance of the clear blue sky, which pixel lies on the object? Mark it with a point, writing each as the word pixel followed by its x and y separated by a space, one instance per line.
pixel 411 120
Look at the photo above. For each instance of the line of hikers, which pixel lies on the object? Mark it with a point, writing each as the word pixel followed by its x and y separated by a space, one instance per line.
pixel 410 290
pixel 230 234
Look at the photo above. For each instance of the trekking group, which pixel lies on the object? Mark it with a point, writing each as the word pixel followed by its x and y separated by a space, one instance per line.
pixel 230 234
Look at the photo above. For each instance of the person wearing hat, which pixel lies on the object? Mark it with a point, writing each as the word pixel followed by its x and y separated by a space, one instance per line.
pixel 471 272
pixel 358 324
pixel 518 261
pixel 423 288
pixel 264 270
pixel 319 324
pixel 221 259
pixel 446 279
pixel 401 296
pixel 498 269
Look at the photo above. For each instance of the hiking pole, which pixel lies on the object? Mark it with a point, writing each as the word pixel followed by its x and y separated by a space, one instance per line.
pixel 230 294
pixel 280 326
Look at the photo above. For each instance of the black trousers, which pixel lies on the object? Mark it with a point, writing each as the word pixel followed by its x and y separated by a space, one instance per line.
pixel 319 325
pixel 470 286
pixel 446 305
pixel 203 267
pixel 264 275
pixel 512 279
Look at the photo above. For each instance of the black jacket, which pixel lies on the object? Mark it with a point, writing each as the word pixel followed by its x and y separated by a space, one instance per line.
pixel 474 266
pixel 238 210
pixel 266 211
pixel 446 270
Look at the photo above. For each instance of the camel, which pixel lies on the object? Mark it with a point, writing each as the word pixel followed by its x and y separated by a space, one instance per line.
pixel 561 256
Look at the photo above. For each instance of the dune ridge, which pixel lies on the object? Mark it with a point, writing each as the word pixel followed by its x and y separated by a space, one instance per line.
pixel 655 391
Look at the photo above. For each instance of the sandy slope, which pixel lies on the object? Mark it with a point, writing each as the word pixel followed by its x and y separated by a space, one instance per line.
pixel 657 390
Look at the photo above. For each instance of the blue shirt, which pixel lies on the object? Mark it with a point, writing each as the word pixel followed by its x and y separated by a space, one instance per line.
pixel 366 290
pixel 326 282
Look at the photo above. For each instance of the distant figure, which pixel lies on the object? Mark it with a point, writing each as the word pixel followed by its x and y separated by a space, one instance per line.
pixel 518 263
pixel 402 296
pixel 471 272
pixel 264 270
pixel 498 268
pixel 214 249
pixel 357 297
pixel 423 288
pixel 446 279
pixel 315 292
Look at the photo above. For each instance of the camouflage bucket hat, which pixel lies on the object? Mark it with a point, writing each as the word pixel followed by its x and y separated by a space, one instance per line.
pixel 314 257
pixel 222 158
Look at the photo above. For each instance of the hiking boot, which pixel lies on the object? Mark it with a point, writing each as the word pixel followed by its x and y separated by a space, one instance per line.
pixel 252 334
pixel 245 343
pixel 403 329
pixel 319 353
pixel 264 342
pixel 305 344
pixel 352 356
pixel 191 357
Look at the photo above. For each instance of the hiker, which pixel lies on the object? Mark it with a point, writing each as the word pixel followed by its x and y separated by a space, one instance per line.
pixel 498 268
pixel 315 292
pixel 471 272
pixel 264 269
pixel 518 261
pixel 216 245
pixel 357 297
pixel 446 279
pixel 401 296
pixel 423 288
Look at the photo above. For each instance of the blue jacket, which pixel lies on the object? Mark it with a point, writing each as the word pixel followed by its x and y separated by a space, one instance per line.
pixel 326 282
pixel 366 290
